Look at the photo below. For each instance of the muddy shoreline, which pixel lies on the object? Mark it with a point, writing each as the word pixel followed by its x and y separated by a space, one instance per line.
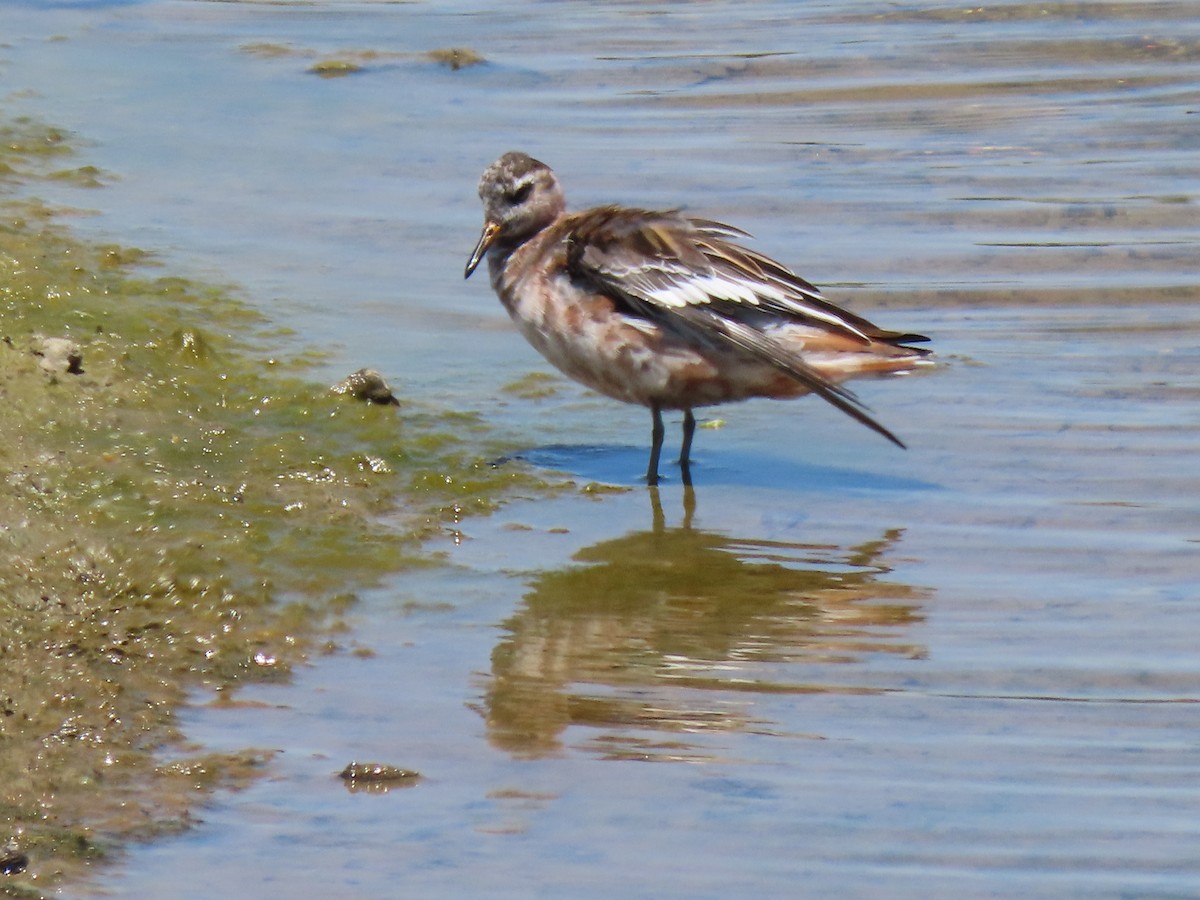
pixel 181 511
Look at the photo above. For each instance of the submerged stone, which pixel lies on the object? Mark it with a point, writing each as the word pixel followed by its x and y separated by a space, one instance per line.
pixel 334 68
pixel 373 777
pixel 456 57
pixel 366 385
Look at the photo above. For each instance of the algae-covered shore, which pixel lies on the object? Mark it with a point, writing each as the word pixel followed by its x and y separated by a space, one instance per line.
pixel 179 511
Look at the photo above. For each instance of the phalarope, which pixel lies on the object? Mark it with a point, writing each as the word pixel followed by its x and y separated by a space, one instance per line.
pixel 665 310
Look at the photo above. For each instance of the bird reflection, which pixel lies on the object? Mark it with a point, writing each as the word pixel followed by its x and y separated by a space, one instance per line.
pixel 636 639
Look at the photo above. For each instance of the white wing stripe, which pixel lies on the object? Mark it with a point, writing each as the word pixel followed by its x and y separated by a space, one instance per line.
pixel 701 290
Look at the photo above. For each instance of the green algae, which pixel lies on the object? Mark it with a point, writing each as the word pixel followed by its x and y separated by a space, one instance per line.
pixel 181 511
pixel 334 68
pixel 83 176
pixel 456 58
pixel 352 61
pixel 270 50
pixel 534 386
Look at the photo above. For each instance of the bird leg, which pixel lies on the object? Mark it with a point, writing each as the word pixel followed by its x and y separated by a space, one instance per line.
pixel 656 442
pixel 685 453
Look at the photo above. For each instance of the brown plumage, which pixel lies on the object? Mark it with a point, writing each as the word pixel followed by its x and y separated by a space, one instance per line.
pixel 664 310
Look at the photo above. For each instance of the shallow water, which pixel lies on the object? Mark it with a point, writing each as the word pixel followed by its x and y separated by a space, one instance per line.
pixel 968 669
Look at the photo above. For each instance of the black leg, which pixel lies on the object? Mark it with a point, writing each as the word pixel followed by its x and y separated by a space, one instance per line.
pixel 656 442
pixel 685 454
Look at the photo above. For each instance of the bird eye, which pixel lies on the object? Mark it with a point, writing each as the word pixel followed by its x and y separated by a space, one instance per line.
pixel 521 194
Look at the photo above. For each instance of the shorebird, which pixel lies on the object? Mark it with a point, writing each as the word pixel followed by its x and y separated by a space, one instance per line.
pixel 666 310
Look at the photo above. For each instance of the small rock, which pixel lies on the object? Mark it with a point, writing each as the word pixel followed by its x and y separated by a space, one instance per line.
pixel 367 385
pixel 60 356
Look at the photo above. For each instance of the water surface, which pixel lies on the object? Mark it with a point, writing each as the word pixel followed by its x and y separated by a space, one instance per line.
pixel 966 670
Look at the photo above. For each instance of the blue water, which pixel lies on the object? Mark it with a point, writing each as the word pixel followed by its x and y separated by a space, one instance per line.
pixel 964 670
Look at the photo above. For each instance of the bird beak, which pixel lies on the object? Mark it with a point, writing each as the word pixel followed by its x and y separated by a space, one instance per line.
pixel 490 232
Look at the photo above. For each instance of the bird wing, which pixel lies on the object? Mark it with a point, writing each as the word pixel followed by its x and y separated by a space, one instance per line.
pixel 758 345
pixel 687 274
pixel 676 262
